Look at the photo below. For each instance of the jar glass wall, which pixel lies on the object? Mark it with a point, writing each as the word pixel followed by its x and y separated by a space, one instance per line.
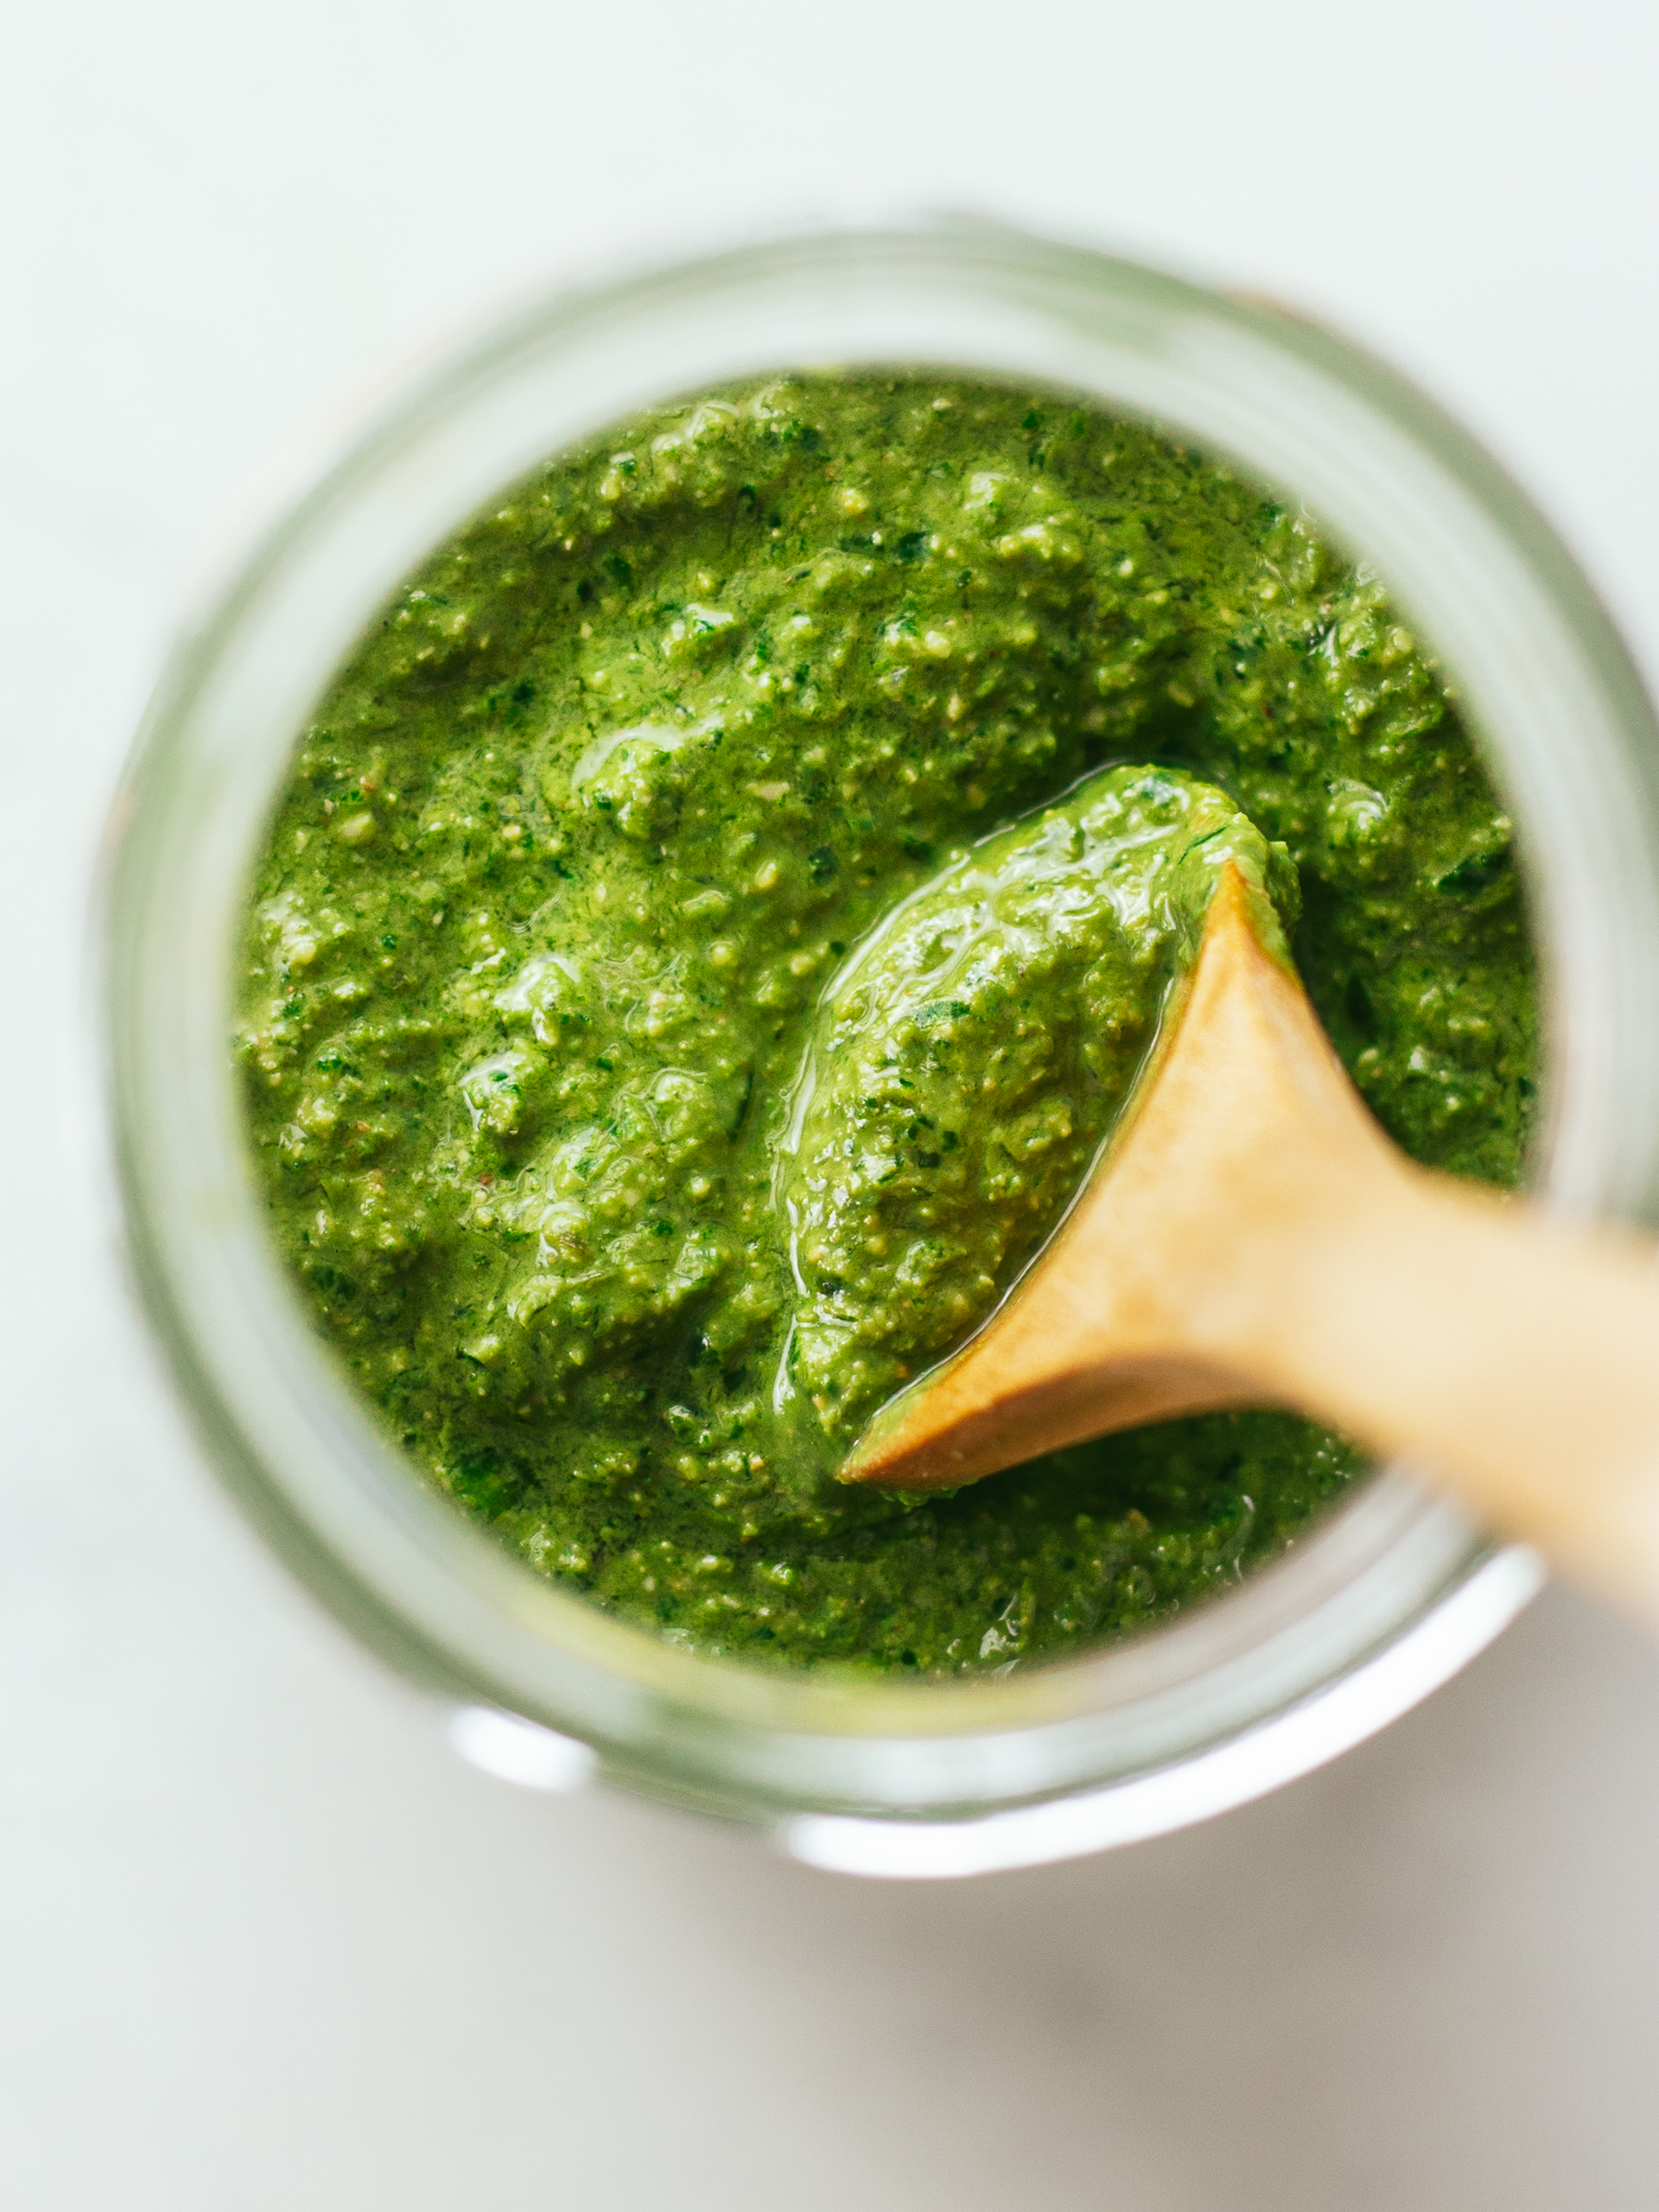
pixel 1378 1602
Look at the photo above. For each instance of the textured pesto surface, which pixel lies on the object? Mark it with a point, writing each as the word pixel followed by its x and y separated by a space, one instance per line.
pixel 537 1067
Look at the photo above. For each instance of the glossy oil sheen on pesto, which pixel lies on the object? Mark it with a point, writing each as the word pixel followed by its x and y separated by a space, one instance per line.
pixel 713 921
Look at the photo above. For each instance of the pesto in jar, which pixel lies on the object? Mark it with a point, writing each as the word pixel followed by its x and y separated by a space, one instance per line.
pixel 712 922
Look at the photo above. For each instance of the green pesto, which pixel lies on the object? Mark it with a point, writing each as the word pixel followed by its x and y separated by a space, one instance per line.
pixel 688 975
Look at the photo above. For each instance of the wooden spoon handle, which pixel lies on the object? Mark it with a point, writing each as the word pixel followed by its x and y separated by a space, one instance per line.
pixel 1515 1358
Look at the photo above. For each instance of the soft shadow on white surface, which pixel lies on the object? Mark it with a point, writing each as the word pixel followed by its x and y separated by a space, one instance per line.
pixel 264 1942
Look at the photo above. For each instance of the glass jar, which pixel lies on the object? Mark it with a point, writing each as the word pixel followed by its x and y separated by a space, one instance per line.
pixel 1378 1603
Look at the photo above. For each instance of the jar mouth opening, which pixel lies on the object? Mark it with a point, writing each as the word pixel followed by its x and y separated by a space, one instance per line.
pixel 1563 724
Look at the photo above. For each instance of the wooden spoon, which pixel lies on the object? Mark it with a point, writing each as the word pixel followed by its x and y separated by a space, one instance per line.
pixel 1251 1237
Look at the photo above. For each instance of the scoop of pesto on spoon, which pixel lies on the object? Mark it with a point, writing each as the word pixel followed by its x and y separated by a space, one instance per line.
pixel 1105 995
pixel 968 1060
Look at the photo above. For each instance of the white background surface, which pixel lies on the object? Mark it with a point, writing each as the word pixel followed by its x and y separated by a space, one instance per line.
pixel 263 1943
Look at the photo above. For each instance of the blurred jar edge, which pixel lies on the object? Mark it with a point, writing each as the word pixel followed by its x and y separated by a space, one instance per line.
pixel 1383 1599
